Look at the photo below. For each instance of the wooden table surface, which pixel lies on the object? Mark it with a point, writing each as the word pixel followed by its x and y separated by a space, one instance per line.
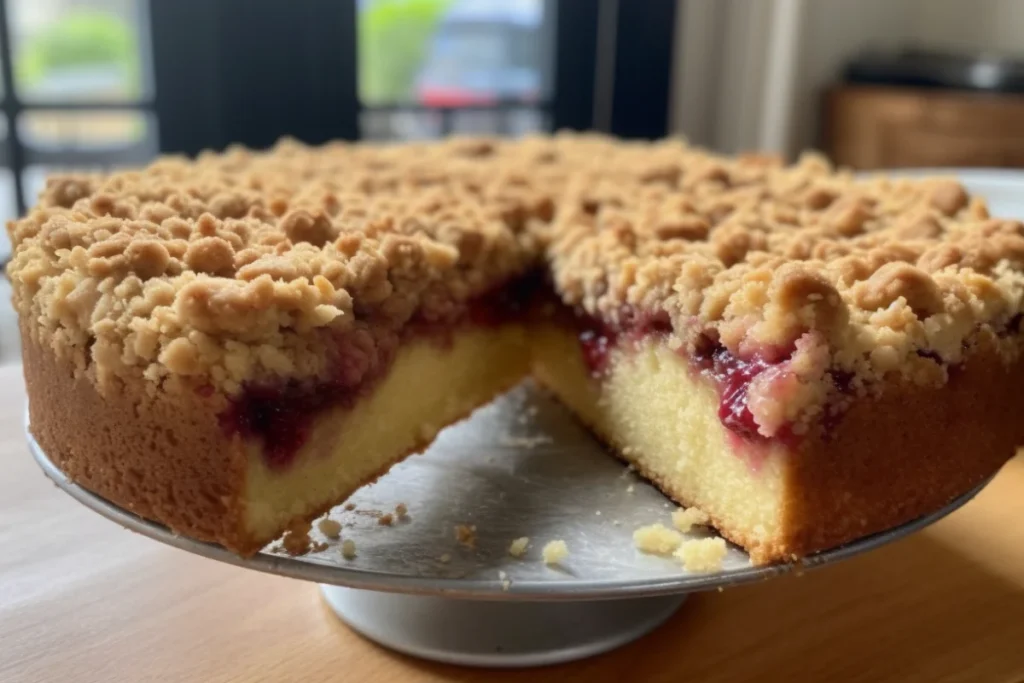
pixel 83 600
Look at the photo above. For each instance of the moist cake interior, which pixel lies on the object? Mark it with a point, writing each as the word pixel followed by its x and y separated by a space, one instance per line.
pixel 431 384
pixel 231 345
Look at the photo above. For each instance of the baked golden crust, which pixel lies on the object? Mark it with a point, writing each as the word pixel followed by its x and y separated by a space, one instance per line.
pixel 903 454
pixel 163 457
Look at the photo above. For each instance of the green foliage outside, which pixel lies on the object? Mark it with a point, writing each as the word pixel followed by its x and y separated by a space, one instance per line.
pixel 394 36
pixel 81 39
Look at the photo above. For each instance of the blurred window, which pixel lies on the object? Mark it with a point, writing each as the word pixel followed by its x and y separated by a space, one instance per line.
pixel 432 67
pixel 77 92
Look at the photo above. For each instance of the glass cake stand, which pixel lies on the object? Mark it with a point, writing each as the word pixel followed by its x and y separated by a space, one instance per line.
pixel 521 466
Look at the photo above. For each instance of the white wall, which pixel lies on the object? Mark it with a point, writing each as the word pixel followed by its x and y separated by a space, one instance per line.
pixel 728 75
pixel 970 25
pixel 834 32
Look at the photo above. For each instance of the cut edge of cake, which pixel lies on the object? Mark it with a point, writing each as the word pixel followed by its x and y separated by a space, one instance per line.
pixel 879 464
pixel 871 470
pixel 141 450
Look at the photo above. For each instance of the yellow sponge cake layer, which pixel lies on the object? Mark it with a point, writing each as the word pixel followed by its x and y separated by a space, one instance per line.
pixel 429 387
pixel 656 414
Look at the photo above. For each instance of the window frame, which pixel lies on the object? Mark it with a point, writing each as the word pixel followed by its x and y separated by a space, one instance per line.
pixel 227 71
pixel 211 96
pixel 17 156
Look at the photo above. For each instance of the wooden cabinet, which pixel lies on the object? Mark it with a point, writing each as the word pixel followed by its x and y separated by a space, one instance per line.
pixel 868 127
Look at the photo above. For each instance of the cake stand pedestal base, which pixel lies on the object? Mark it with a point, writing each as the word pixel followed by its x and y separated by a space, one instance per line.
pixel 497 633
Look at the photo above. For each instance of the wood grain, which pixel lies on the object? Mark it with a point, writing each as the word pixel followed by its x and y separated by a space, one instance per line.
pixel 82 600
pixel 874 127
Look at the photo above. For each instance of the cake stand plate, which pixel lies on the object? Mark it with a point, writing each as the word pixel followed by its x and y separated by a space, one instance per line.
pixel 439 582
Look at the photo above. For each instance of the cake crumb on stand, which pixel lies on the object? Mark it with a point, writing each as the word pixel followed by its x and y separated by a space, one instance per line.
pixel 684 519
pixel 296 540
pixel 555 552
pixel 657 539
pixel 465 534
pixel 348 549
pixel 330 528
pixel 517 548
pixel 702 555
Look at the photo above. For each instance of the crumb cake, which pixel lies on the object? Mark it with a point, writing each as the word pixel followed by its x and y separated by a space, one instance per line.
pixel 231 345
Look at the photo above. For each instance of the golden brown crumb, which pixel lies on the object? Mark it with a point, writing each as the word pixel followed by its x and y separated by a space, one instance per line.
pixel 465 535
pixel 555 552
pixel 349 507
pixel 702 555
pixel 296 540
pixel 684 519
pixel 249 266
pixel 517 548
pixel 329 528
pixel 445 558
pixel 401 511
pixel 387 519
pixel 348 549
pixel 657 539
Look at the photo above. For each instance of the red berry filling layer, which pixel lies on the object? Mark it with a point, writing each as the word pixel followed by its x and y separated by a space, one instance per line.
pixel 733 376
pixel 281 415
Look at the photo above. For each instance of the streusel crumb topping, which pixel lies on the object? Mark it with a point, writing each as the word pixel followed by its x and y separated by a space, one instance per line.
pixel 242 266
pixel 845 281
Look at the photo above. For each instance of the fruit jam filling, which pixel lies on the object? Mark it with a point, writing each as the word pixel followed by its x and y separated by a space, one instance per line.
pixel 280 415
pixel 733 376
